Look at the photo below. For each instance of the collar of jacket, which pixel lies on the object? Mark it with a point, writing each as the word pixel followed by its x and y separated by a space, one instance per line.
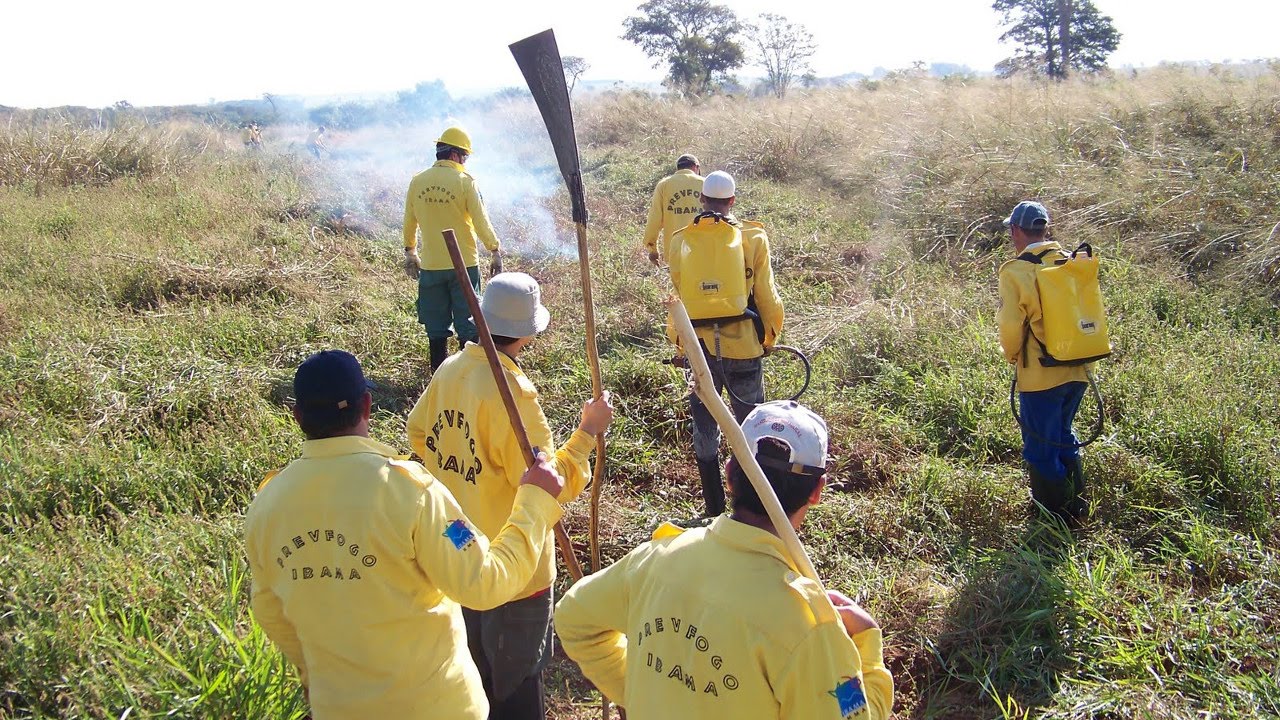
pixel 476 351
pixel 749 538
pixel 450 164
pixel 1036 247
pixel 686 171
pixel 345 445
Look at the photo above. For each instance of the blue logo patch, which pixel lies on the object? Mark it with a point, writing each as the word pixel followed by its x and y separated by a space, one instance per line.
pixel 459 534
pixel 848 694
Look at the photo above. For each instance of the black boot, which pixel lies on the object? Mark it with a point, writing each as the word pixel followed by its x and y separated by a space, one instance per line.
pixel 1077 504
pixel 439 351
pixel 712 488
pixel 1052 493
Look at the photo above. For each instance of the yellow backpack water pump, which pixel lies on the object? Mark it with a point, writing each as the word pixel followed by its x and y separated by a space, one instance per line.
pixel 1075 322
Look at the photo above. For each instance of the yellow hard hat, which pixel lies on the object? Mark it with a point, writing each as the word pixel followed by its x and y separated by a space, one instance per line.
pixel 456 137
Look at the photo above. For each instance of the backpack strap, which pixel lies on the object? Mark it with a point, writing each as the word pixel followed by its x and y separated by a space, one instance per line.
pixel 718 217
pixel 1034 258
pixel 1046 359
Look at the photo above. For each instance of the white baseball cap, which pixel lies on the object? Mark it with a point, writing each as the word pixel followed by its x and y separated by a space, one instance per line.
pixel 797 427
pixel 719 185
pixel 512 306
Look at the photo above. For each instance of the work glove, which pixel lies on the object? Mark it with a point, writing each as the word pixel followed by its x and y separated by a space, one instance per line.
pixel 653 257
pixel 495 265
pixel 412 264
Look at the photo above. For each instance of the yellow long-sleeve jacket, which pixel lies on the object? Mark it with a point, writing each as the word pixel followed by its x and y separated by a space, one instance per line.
pixel 1019 305
pixel 459 428
pixel 359 563
pixel 716 623
pixel 441 197
pixel 676 199
pixel 738 340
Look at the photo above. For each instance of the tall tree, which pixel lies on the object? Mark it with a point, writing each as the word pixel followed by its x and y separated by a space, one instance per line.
pixel 1056 36
pixel 574 67
pixel 696 39
pixel 783 49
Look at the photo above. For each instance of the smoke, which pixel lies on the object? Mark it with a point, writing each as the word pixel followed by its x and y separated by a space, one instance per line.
pixel 512 162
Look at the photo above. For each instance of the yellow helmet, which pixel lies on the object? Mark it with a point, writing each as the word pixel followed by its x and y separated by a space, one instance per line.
pixel 456 137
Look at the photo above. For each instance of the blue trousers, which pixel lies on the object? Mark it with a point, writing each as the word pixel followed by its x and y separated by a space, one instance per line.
pixel 442 303
pixel 1047 416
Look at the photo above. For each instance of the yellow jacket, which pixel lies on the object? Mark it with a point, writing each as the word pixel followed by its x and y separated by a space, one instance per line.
pixel 716 623
pixel 738 340
pixel 359 562
pixel 460 429
pixel 1020 303
pixel 676 199
pixel 441 197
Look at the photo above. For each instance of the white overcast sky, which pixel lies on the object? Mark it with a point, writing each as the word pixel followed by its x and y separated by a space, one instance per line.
pixel 73 52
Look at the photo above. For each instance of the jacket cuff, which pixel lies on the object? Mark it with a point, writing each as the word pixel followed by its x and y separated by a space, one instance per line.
pixel 870 644
pixel 580 444
pixel 539 503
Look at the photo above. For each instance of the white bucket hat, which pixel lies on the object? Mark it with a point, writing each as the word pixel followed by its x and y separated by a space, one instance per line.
pixel 512 306
pixel 798 427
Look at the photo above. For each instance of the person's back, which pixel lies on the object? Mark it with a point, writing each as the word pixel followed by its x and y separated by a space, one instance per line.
pixel 739 642
pixel 346 512
pixel 460 428
pixel 444 197
pixel 360 561
pixel 676 200
pixel 717 623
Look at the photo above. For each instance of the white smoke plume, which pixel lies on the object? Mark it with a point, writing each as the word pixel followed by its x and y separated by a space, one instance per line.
pixel 512 162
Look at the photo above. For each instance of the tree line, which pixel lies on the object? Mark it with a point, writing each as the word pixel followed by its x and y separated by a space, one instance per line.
pixel 702 44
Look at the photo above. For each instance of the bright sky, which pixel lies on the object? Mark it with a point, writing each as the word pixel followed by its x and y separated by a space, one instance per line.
pixel 76 52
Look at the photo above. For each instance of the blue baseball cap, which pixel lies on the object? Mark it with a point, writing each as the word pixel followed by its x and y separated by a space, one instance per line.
pixel 1028 215
pixel 328 382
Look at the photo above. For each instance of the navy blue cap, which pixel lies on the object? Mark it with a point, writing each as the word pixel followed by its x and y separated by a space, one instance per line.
pixel 329 381
pixel 1028 215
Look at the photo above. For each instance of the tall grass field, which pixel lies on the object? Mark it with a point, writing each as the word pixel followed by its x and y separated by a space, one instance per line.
pixel 159 285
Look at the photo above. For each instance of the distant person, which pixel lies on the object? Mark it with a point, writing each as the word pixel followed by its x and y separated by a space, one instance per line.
pixel 255 136
pixel 721 269
pixel 441 197
pixel 460 429
pixel 674 203
pixel 1048 396
pixel 716 623
pixel 316 142
pixel 360 560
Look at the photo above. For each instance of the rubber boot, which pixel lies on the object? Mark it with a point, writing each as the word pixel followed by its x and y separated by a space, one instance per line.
pixel 712 488
pixel 439 351
pixel 1052 493
pixel 1077 505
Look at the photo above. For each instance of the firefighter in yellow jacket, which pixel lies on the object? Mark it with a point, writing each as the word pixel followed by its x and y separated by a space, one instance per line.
pixel 676 199
pixel 733 347
pixel 445 196
pixel 1048 396
pixel 716 622
pixel 360 559
pixel 460 429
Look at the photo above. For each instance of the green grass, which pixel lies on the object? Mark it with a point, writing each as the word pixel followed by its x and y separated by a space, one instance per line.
pixel 152 311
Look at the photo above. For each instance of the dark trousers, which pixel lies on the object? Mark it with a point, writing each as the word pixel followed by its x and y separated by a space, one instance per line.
pixel 442 302
pixel 746 379
pixel 511 645
pixel 1046 418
